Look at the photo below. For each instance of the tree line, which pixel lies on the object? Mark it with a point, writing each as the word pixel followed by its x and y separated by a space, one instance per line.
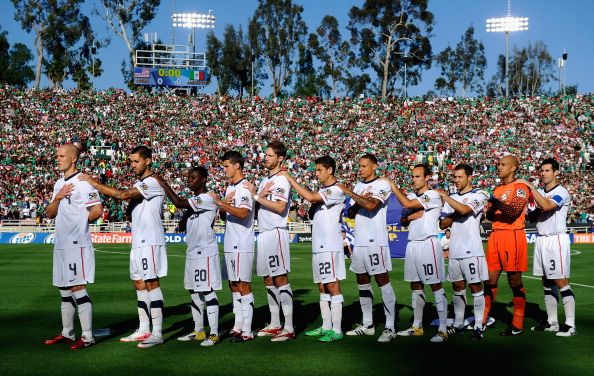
pixel 387 47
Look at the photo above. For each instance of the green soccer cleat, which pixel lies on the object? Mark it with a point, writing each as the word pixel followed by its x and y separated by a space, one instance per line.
pixel 319 332
pixel 331 336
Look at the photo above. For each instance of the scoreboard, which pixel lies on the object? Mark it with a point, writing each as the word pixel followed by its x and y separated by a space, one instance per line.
pixel 171 77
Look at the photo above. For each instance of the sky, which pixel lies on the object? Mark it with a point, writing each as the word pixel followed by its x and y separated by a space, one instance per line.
pixel 561 25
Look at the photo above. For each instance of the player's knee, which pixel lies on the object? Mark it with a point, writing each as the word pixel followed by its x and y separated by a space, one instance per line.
pixel 518 291
pixel 382 279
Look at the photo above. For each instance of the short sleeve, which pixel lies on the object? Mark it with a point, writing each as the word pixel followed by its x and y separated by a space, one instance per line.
pixel 332 196
pixel 561 197
pixel 202 203
pixel 478 201
pixel 430 200
pixel 149 188
pixel 243 198
pixel 446 210
pixel 281 190
pixel 89 194
pixel 382 191
pixel 57 187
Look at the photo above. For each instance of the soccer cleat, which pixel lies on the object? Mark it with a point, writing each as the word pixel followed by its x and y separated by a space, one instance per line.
pixel 387 335
pixel 234 333
pixel 440 337
pixel 360 330
pixel 194 336
pixel 544 326
pixel 58 339
pixel 268 331
pixel 566 331
pixel 413 331
pixel 212 340
pixel 82 342
pixel 478 334
pixel 137 336
pixel 241 339
pixel 331 336
pixel 152 340
pixel 283 336
pixel 319 332
pixel 511 331
pixel 453 330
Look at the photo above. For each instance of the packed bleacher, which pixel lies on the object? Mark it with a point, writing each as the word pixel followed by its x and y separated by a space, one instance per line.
pixel 186 131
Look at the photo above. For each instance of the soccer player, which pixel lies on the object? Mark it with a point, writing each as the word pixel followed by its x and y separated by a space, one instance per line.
pixel 74 205
pixel 462 212
pixel 423 262
pixel 371 255
pixel 148 257
pixel 328 255
pixel 551 251
pixel 273 259
pixel 239 244
pixel 203 269
pixel 507 249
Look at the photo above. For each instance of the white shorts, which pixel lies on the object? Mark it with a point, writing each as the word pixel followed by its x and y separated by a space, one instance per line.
pixel 470 269
pixel 552 256
pixel 273 256
pixel 239 266
pixel 203 273
pixel 371 260
pixel 148 262
pixel 328 266
pixel 74 266
pixel 423 262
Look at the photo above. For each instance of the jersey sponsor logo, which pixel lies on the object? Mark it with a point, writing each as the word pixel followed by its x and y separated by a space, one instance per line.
pixel 22 238
pixel 50 239
pixel 504 196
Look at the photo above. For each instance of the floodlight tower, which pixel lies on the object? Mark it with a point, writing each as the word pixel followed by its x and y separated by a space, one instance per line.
pixel 507 25
pixel 194 21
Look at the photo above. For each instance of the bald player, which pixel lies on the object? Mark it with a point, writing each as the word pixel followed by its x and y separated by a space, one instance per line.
pixel 507 249
pixel 75 204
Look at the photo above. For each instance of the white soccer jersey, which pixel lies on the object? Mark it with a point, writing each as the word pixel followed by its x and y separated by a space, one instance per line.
pixel 239 233
pixel 72 220
pixel 555 221
pixel 427 226
pixel 201 238
pixel 370 226
pixel 147 228
pixel 267 219
pixel 465 240
pixel 326 229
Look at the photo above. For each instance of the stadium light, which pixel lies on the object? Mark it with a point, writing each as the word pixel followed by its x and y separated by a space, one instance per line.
pixel 507 25
pixel 194 21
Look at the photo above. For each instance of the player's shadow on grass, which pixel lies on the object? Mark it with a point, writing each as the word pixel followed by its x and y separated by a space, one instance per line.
pixel 351 315
pixel 502 312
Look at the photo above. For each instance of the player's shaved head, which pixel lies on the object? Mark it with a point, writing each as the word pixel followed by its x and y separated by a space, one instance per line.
pixel 71 150
pixel 511 160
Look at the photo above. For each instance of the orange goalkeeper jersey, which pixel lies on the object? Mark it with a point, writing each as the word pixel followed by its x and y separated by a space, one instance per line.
pixel 511 211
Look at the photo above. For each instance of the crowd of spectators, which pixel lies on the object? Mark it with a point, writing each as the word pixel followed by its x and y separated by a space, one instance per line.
pixel 186 131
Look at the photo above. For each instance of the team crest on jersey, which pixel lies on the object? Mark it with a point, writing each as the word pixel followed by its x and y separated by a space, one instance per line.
pixel 521 193
pixel 327 192
pixel 198 200
pixel 144 186
pixel 382 192
pixel 244 199
pixel 280 190
pixel 426 198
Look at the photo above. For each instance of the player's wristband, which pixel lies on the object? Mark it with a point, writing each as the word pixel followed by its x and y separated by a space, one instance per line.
pixel 256 197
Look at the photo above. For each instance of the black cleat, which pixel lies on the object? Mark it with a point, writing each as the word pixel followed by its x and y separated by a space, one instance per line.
pixel 511 331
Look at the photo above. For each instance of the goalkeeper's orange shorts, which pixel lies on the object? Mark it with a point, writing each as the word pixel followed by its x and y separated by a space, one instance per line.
pixel 507 250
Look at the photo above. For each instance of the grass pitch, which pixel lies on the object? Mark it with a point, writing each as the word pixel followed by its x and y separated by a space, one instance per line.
pixel 30 313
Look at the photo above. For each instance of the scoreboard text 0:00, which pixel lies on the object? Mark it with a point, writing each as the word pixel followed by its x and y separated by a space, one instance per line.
pixel 169 72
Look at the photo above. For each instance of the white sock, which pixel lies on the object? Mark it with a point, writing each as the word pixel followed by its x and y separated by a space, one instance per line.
pixel 418 305
pixel 144 315
pixel 551 299
pixel 366 301
pixel 156 297
pixel 568 305
pixel 286 299
pixel 237 311
pixel 441 304
pixel 68 308
pixel 459 302
pixel 325 309
pixel 479 309
pixel 274 306
pixel 212 310
pixel 389 299
pixel 85 312
pixel 197 311
pixel 336 312
pixel 247 310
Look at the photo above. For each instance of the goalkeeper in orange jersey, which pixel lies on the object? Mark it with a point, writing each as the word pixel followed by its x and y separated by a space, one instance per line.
pixel 507 249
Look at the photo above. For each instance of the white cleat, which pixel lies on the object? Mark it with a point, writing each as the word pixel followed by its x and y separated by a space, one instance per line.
pixel 440 337
pixel 360 330
pixel 137 336
pixel 194 336
pixel 566 331
pixel 152 340
pixel 387 335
